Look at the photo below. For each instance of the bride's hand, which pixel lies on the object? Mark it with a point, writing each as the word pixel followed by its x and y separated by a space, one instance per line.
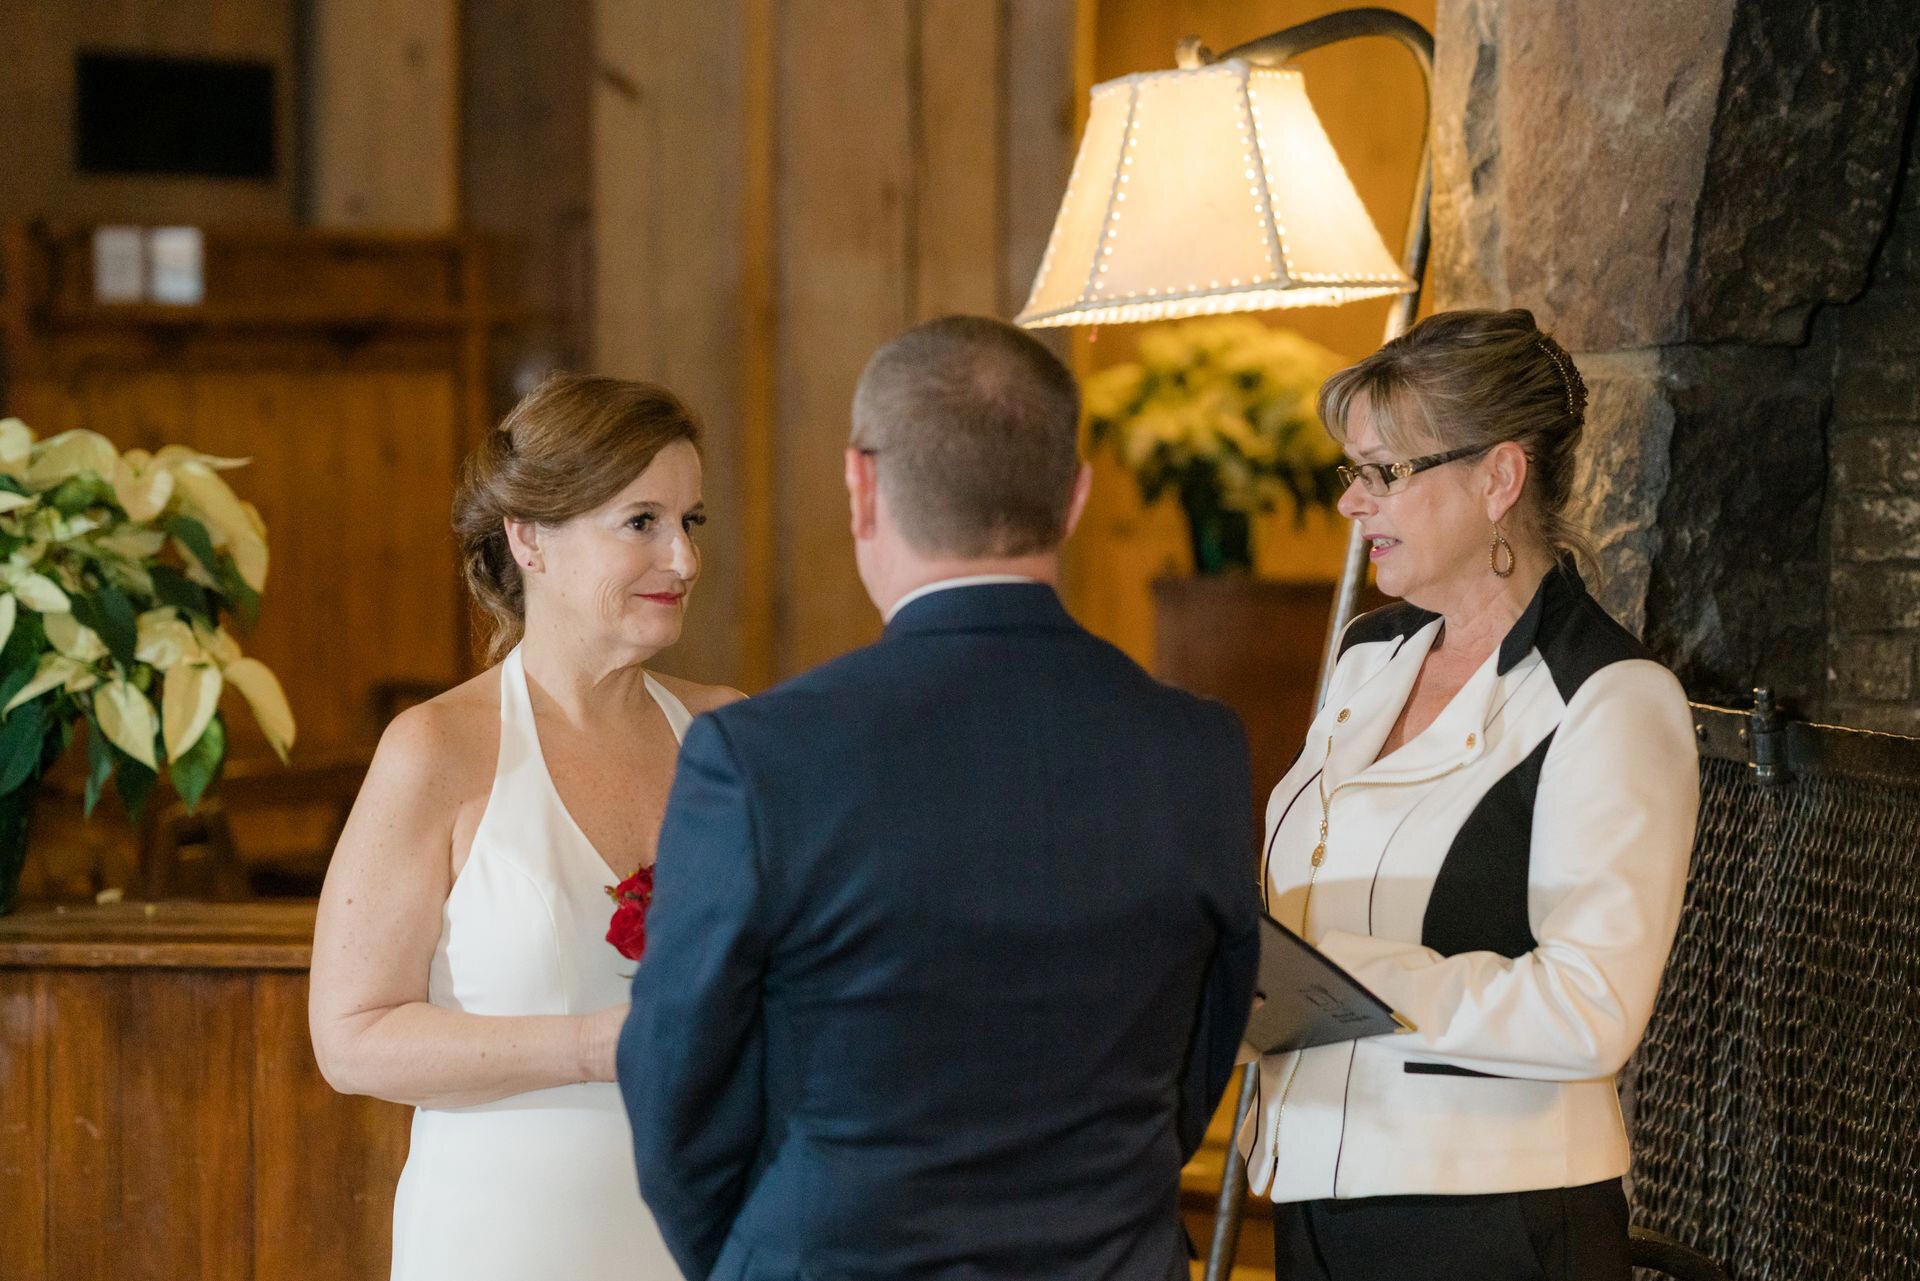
pixel 599 1035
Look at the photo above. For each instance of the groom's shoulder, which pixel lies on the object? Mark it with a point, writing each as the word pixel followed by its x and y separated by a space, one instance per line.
pixel 807 697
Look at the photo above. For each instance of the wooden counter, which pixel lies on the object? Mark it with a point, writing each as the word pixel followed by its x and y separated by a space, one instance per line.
pixel 161 1115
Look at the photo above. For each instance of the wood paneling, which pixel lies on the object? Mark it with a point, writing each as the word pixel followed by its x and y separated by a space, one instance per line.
pixel 866 164
pixel 160 1112
pixel 24 1179
pixel 846 174
pixel 36 143
pixel 527 68
pixel 313 1147
pixel 351 370
pixel 383 135
pixel 959 200
pixel 668 148
pixel 354 433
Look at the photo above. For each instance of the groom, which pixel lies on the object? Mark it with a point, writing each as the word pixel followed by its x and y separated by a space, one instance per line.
pixel 953 938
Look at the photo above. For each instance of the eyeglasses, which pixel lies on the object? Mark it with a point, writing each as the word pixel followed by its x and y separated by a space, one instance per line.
pixel 1378 479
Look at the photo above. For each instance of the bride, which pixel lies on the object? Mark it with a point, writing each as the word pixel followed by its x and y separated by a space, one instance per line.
pixel 459 960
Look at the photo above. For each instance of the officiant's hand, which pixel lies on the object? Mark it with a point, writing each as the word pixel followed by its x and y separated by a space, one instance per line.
pixel 599 1035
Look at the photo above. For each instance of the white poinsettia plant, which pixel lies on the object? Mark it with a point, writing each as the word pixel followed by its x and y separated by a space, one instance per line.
pixel 115 572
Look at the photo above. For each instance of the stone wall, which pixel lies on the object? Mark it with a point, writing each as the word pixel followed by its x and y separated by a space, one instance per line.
pixel 1700 201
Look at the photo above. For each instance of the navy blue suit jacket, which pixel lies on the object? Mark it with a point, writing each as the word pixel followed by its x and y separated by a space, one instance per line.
pixel 950 952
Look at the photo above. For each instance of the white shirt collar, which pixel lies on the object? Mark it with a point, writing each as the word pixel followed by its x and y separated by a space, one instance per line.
pixel 944 584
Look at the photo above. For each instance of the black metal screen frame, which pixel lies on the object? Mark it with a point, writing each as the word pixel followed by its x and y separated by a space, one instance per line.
pixel 1775 1102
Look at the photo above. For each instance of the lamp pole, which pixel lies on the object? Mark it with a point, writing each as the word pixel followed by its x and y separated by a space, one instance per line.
pixel 1277 50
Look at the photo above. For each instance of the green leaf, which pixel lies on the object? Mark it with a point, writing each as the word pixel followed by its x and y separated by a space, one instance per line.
pixel 171 587
pixel 77 493
pixel 196 539
pixel 195 771
pixel 22 743
pixel 24 646
pixel 99 765
pixel 109 613
pixel 244 601
pixel 134 782
pixel 12 485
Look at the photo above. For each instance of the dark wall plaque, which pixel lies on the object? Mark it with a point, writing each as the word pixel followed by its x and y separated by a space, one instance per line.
pixel 198 117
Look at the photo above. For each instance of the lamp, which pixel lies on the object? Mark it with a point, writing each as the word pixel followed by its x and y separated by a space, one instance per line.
pixel 1213 188
pixel 1210 189
pixel 1206 190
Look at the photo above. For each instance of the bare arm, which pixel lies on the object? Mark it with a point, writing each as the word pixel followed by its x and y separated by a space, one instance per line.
pixel 380 916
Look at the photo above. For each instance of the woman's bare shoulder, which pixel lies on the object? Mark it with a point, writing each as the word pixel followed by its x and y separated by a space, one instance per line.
pixel 447 743
pixel 699 698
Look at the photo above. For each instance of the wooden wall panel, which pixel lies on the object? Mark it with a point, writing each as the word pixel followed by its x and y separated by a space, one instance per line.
pixel 959 205
pixel 780 187
pixel 84 1176
pixel 23 1127
pixel 383 134
pixel 353 474
pixel 184 1134
pixel 161 1116
pixel 325 1165
pixel 526 170
pixel 668 145
pixel 1038 127
pixel 36 144
pixel 846 175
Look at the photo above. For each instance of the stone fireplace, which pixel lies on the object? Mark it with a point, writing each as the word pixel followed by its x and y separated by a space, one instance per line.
pixel 1715 206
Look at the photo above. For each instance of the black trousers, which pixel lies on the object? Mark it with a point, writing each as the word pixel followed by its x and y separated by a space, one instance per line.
pixel 1556 1234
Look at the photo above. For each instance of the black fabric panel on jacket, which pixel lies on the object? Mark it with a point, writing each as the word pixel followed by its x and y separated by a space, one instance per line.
pixel 1413 1068
pixel 1389 622
pixel 1574 635
pixel 1479 901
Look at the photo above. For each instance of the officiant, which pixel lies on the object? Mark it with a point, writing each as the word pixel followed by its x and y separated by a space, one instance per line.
pixel 1488 826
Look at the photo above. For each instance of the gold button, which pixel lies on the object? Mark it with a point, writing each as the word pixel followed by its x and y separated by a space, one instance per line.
pixel 1471 740
pixel 1344 713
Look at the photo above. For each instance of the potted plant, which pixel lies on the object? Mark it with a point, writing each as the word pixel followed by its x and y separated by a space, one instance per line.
pixel 116 571
pixel 1219 411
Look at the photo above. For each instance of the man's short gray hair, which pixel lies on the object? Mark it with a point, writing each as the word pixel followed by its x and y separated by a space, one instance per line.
pixel 974 427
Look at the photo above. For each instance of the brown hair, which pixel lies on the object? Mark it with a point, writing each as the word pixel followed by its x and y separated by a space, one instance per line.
pixel 974 428
pixel 1465 379
pixel 570 445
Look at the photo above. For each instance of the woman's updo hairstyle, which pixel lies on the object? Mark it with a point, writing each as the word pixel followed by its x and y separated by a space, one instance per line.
pixel 571 445
pixel 1473 379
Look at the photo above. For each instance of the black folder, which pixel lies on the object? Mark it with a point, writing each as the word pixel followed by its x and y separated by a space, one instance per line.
pixel 1307 1000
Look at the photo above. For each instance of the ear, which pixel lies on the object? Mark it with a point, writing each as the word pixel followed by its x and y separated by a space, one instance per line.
pixel 1506 475
pixel 523 539
pixel 1077 504
pixel 863 493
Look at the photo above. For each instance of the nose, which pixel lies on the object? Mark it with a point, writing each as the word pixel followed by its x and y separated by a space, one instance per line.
pixel 686 557
pixel 1355 502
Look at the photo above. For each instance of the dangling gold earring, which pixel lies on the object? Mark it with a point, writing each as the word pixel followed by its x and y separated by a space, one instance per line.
pixel 1500 544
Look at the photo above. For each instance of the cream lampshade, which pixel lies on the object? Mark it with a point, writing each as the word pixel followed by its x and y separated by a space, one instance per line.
pixel 1206 190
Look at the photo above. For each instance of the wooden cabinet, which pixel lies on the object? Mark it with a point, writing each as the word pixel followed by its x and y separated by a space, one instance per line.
pixel 161 1115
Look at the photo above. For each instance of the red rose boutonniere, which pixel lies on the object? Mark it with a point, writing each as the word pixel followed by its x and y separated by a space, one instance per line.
pixel 628 929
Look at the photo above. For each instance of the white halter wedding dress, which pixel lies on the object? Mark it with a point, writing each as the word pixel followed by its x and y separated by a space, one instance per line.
pixel 538 1185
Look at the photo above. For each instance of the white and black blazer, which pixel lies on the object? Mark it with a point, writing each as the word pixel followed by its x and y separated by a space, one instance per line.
pixel 1510 880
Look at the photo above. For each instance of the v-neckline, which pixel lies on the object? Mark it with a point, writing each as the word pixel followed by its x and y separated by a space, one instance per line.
pixel 653 689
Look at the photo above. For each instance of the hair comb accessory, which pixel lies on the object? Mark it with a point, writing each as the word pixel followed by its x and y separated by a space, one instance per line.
pixel 1570 379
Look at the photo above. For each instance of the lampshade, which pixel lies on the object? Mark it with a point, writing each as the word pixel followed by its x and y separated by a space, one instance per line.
pixel 1206 190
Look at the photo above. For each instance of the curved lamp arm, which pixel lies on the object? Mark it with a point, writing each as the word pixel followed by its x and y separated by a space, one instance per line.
pixel 1277 50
